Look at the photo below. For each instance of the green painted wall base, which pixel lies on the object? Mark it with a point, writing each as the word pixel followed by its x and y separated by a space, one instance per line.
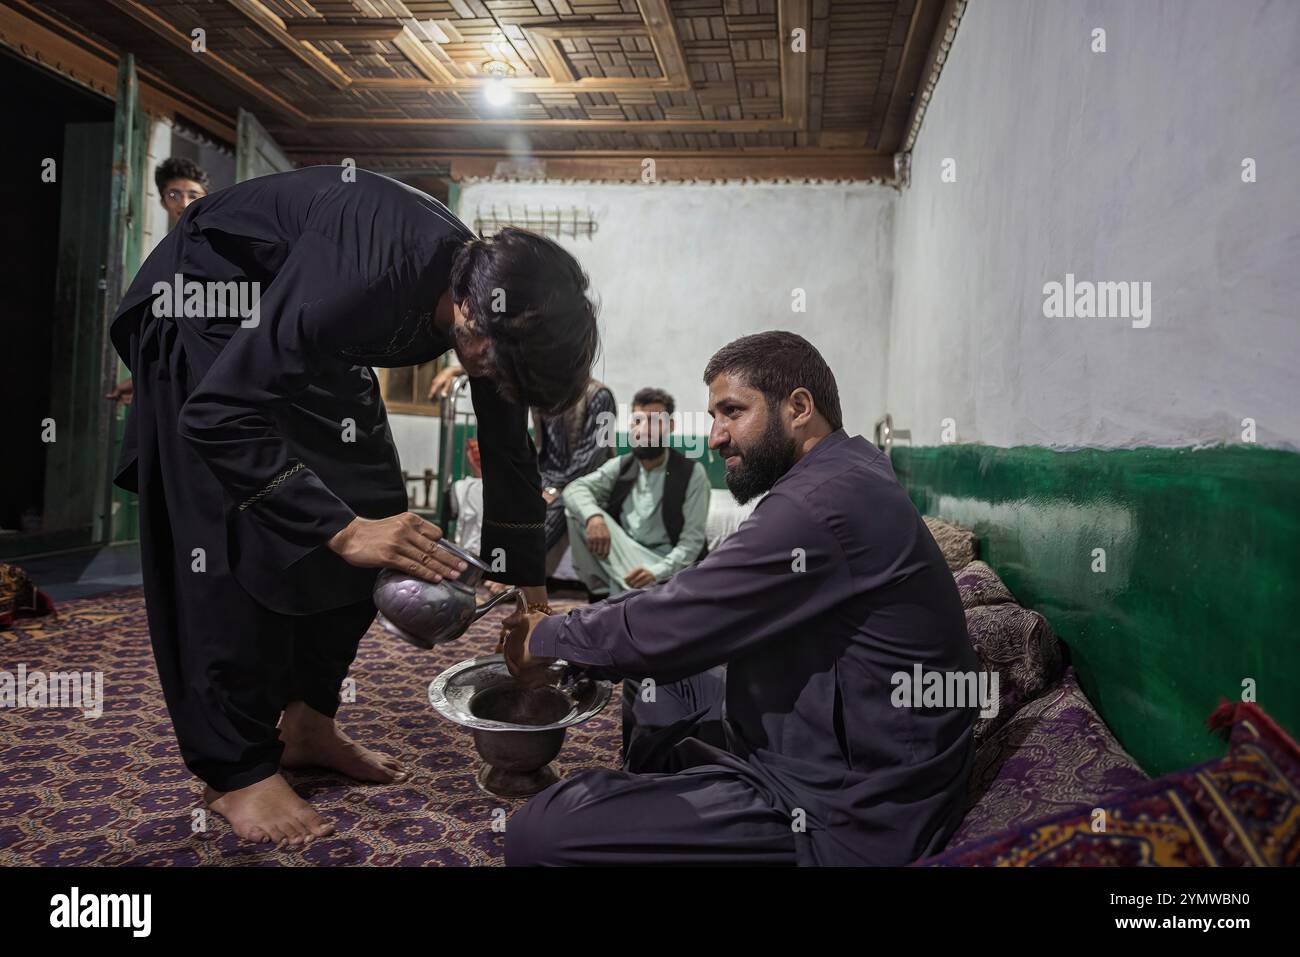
pixel 1199 593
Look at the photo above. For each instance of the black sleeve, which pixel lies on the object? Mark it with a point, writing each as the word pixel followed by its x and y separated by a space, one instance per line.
pixel 680 628
pixel 514 512
pixel 309 311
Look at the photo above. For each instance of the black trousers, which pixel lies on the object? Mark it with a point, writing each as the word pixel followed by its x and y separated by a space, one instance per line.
pixel 228 665
pixel 663 808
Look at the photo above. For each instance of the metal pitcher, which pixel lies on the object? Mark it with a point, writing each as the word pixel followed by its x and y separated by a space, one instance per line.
pixel 428 614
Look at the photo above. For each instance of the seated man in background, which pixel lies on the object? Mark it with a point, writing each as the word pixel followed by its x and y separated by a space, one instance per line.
pixel 829 592
pixel 569 445
pixel 640 518
pixel 467 498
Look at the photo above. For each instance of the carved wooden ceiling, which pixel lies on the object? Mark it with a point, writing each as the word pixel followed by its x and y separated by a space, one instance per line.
pixel 403 82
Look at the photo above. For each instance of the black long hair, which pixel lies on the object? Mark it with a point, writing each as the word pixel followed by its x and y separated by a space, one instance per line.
pixel 528 295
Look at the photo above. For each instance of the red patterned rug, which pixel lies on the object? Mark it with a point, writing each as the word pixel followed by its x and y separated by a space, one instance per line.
pixel 112 790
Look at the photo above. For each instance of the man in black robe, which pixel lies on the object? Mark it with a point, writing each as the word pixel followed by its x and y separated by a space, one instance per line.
pixel 270 490
pixel 803 752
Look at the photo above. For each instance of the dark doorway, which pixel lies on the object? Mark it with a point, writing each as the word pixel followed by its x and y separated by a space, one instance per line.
pixel 52 246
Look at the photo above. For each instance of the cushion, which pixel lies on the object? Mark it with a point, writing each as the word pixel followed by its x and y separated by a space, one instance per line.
pixel 19 596
pixel 956 542
pixel 1242 809
pixel 1053 755
pixel 1022 649
pixel 979 584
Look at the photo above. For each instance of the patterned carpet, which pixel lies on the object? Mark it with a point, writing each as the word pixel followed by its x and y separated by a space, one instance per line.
pixel 112 790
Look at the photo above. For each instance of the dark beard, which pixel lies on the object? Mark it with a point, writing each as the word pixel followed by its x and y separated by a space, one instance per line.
pixel 644 452
pixel 763 465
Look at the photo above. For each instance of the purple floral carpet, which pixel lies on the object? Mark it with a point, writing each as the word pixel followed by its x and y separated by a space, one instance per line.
pixel 112 790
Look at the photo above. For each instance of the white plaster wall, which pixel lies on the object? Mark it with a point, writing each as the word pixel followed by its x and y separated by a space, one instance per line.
pixel 416 438
pixel 1117 166
pixel 155 214
pixel 679 270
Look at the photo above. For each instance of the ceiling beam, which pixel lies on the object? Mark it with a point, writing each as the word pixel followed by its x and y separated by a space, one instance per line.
pixel 583 84
pixel 622 166
pixel 592 126
pixel 279 30
pixel 663 37
pixel 413 49
pixel 678 168
pixel 182 41
pixel 371 28
pixel 34 35
pixel 916 47
pixel 551 56
pixel 794 66
pixel 944 35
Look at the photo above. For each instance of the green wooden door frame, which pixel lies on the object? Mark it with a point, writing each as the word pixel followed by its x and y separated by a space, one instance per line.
pixel 115 510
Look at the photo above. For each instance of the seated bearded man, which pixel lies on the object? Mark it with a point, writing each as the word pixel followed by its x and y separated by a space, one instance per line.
pixel 828 591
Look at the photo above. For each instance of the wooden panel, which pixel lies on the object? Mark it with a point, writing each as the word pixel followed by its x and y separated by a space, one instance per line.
pixel 792 165
pixel 641 76
pixel 260 14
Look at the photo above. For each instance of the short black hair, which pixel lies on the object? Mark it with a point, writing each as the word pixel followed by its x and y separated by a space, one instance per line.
pixel 176 167
pixel 777 363
pixel 652 396
pixel 528 295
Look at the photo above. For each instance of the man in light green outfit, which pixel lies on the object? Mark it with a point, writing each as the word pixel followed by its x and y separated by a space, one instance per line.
pixel 640 518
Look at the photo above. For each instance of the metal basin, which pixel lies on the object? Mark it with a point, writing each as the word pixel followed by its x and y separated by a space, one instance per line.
pixel 517 731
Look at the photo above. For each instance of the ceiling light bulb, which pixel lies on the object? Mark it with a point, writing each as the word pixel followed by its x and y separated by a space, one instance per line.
pixel 498 94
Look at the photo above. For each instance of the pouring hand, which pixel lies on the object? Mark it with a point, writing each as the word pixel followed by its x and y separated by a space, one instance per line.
pixel 405 542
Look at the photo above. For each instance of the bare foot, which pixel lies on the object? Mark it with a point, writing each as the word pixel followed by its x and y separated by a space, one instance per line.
pixel 269 812
pixel 312 740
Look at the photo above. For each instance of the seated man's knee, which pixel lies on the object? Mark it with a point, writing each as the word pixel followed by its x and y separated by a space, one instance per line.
pixel 544 832
pixel 526 836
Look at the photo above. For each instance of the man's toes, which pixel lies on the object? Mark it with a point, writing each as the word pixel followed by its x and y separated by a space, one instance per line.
pixel 302 828
pixel 294 833
pixel 290 836
pixel 314 825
